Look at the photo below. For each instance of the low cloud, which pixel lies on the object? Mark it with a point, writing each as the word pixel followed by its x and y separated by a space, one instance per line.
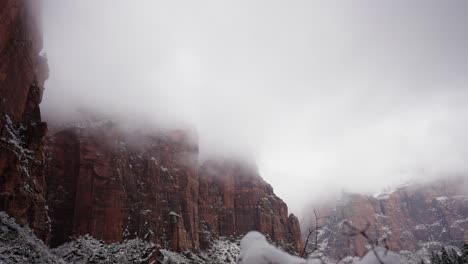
pixel 325 96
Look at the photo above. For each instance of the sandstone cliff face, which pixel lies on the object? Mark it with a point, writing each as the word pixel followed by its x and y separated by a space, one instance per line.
pixel 408 218
pixel 116 185
pixel 22 76
pixel 234 199
pixel 109 183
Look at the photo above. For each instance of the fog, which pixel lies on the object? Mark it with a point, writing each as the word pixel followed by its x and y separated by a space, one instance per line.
pixel 326 96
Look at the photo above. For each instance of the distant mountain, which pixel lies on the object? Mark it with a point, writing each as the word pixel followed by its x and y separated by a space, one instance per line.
pixel 413 220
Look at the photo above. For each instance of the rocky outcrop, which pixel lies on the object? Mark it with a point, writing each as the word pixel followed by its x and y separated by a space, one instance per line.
pixel 116 184
pixel 22 75
pixel 234 200
pixel 408 218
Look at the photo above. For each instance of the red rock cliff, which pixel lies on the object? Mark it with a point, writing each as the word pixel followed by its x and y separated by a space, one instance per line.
pixel 234 199
pixel 115 185
pixel 109 183
pixel 22 76
pixel 408 218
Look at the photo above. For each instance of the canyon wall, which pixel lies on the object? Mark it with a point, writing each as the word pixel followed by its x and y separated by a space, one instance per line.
pixel 410 218
pixel 22 75
pixel 234 200
pixel 111 183
pixel 116 184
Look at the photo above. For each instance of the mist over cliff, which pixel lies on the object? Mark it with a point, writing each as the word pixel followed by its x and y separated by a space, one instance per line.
pixel 324 97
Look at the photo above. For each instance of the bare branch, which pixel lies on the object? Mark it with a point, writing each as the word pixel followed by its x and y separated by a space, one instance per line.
pixel 304 252
pixel 363 232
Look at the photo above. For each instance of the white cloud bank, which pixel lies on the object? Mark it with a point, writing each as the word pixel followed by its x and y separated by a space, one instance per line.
pixel 326 95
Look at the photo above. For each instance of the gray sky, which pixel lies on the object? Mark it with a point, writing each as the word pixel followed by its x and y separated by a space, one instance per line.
pixel 326 95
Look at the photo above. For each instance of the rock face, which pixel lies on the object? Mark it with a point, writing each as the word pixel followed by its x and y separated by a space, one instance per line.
pixel 234 200
pixel 408 218
pixel 110 183
pixel 22 76
pixel 115 185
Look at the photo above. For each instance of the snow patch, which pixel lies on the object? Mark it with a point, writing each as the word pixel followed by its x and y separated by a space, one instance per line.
pixel 174 214
pixel 442 198
pixel 256 250
pixel 420 227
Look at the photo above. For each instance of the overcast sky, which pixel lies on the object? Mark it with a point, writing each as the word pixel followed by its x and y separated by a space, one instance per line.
pixel 327 96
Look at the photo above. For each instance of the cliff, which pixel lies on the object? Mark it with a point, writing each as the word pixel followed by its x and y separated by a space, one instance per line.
pixel 22 75
pixel 410 218
pixel 234 200
pixel 116 184
pixel 112 183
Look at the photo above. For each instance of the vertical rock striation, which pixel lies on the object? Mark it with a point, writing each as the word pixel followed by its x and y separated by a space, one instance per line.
pixel 115 185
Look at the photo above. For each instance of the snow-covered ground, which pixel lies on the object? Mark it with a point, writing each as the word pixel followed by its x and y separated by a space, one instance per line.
pixel 223 250
pixel 19 245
